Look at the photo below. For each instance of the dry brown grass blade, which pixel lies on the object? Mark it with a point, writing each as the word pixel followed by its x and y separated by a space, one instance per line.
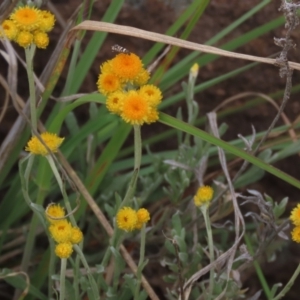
pixel 165 39
pixel 6 8
pixel 4 107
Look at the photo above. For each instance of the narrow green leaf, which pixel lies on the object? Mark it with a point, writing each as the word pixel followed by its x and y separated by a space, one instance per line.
pixel 172 122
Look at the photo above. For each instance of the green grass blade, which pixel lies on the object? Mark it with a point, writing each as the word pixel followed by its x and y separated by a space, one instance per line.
pixel 182 68
pixel 182 126
pixel 93 47
pixel 150 56
pixel 159 73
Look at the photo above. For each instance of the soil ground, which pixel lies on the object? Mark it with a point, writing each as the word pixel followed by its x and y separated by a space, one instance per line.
pixel 156 16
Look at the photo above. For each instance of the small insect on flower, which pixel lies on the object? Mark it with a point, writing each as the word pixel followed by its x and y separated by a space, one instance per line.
pixel 119 49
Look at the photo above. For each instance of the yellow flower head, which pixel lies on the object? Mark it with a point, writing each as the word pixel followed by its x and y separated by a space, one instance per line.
pixel 106 68
pixel 295 215
pixel 55 211
pixel 151 93
pixel 152 116
pixel 127 219
pixel 135 108
pixel 52 141
pixel 61 231
pixel 203 195
pixel 26 18
pixel 194 70
pixel 143 217
pixel 47 21
pixel 296 234
pixel 126 66
pixel 114 102
pixel 10 30
pixel 108 83
pixel 64 250
pixel 41 39
pixel 142 78
pixel 76 235
pixel 24 39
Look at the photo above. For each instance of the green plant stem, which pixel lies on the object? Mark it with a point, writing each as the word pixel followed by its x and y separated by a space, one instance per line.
pixel 88 272
pixel 137 164
pixel 289 284
pixel 34 221
pixel 51 269
pixel 141 262
pixel 63 266
pixel 29 54
pixel 28 169
pixel 77 275
pixel 258 270
pixel 62 188
pixel 137 147
pixel 205 212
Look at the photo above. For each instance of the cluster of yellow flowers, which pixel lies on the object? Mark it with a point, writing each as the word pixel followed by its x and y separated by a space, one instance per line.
pixel 34 145
pixel 203 195
pixel 28 25
pixel 62 232
pixel 128 219
pixel 123 80
pixel 295 218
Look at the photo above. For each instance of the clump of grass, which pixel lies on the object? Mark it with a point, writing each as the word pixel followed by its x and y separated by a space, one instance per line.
pixel 115 213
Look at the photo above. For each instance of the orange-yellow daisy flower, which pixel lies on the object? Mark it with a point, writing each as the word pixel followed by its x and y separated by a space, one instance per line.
pixel 76 235
pixel 10 30
pixel 126 66
pixel 41 39
pixel 296 234
pixel 55 211
pixel 127 219
pixel 63 250
pixel 203 195
pixel 47 20
pixel 152 94
pixel 142 78
pixel 114 102
pixel 106 67
pixel 26 18
pixel 143 217
pixel 52 141
pixel 135 108
pixel 61 231
pixel 24 39
pixel 108 83
pixel 295 215
pixel 152 116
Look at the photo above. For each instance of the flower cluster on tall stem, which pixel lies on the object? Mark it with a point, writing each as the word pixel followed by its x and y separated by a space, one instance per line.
pixel 62 232
pixel 123 80
pixel 28 25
